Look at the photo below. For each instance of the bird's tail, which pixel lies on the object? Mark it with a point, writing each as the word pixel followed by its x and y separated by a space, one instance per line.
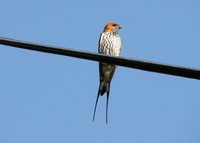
pixel 103 87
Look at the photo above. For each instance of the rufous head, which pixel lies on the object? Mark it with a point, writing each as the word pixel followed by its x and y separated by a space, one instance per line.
pixel 111 27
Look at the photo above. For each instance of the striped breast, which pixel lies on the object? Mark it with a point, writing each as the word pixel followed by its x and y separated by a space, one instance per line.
pixel 110 44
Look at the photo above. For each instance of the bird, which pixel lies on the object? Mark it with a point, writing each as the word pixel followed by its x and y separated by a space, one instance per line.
pixel 109 44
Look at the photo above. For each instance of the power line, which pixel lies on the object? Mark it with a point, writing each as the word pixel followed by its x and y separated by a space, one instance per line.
pixel 126 62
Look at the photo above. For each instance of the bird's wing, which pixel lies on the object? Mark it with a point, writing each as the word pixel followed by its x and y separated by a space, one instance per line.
pixel 103 49
pixel 101 43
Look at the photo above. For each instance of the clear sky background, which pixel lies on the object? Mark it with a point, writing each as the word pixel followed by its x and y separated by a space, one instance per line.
pixel 50 98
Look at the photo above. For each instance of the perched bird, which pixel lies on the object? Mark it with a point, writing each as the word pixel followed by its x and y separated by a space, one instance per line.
pixel 109 44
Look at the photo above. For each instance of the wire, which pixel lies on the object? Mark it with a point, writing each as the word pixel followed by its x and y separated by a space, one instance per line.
pixel 126 62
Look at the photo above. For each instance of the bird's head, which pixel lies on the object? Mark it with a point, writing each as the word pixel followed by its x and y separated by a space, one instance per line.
pixel 112 27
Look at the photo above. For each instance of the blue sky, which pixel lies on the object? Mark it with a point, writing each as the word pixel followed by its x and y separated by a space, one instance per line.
pixel 50 98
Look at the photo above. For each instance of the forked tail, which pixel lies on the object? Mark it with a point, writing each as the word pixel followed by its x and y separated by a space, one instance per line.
pixel 101 91
pixel 96 104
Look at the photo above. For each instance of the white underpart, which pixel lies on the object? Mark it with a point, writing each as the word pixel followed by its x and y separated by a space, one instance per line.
pixel 110 44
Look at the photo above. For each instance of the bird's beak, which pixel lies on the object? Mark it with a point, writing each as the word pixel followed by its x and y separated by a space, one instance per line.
pixel 120 27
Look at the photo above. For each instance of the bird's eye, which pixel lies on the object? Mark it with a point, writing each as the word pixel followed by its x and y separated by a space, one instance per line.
pixel 114 25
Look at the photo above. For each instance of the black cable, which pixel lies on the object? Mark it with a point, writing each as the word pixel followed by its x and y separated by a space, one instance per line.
pixel 131 63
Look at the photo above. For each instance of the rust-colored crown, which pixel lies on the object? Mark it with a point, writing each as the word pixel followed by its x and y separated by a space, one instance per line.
pixel 110 26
